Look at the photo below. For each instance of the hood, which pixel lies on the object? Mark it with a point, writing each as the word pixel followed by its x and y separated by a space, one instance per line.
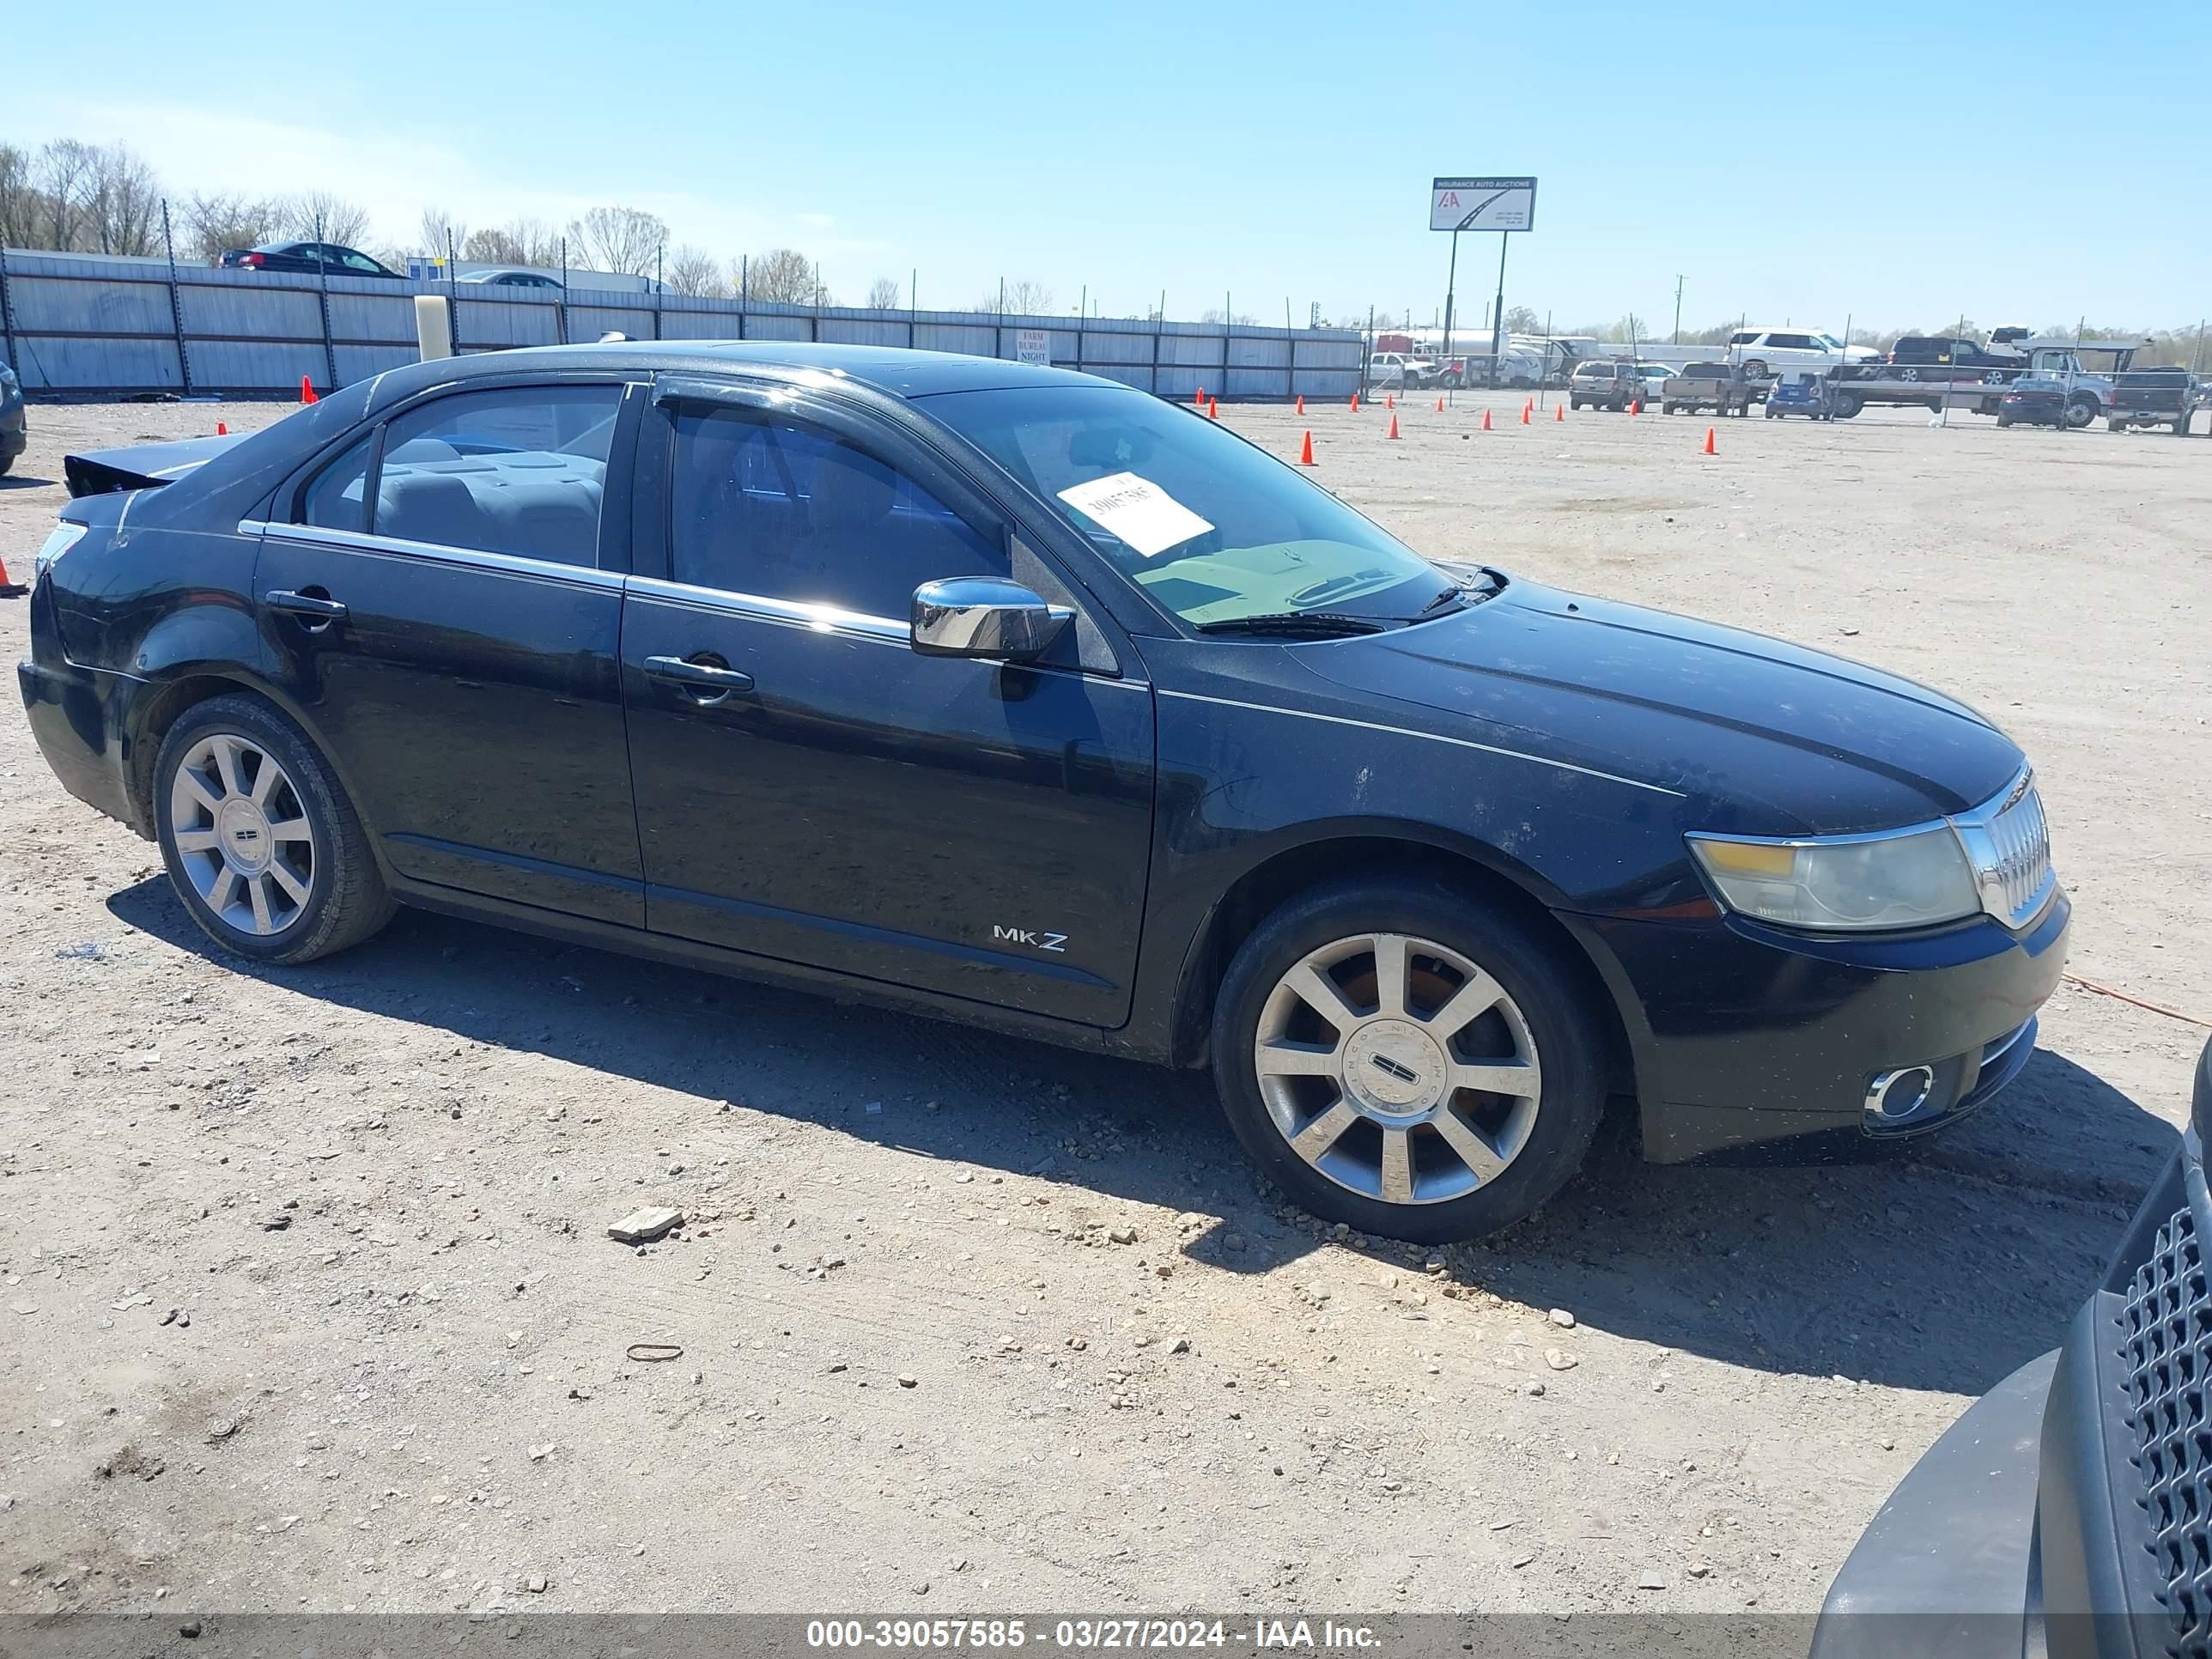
pixel 1763 737
pixel 140 467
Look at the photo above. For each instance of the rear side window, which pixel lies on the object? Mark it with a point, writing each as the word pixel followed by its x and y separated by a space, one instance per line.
pixel 521 470
pixel 784 510
pixel 337 497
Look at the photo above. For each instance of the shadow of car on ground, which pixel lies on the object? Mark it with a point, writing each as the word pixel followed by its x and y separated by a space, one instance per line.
pixel 1941 1265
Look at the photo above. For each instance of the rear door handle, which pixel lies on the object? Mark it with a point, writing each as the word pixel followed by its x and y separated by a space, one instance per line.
pixel 708 681
pixel 304 604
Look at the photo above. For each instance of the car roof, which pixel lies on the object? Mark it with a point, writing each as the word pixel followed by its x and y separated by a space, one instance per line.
pixel 895 370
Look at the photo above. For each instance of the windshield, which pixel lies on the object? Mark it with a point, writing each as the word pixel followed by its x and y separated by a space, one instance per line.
pixel 1212 528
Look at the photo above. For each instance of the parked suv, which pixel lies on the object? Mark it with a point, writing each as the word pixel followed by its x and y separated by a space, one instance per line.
pixel 1767 353
pixel 1611 386
pixel 1023 699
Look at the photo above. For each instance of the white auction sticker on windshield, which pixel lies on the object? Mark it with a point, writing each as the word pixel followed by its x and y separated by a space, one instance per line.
pixel 1137 510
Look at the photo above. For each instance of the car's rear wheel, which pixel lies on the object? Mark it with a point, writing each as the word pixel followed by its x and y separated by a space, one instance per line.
pixel 261 843
pixel 1402 1058
pixel 2080 411
pixel 2003 419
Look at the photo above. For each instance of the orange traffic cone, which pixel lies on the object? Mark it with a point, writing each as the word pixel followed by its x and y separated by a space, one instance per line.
pixel 1486 420
pixel 1528 414
pixel 1200 400
pixel 1213 409
pixel 1709 442
pixel 1301 403
pixel 9 589
pixel 1305 455
pixel 221 430
pixel 1389 400
pixel 1394 426
pixel 1558 411
pixel 1440 405
pixel 1636 405
pixel 307 390
pixel 1355 403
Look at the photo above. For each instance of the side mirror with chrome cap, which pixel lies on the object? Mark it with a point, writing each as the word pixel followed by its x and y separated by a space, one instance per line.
pixel 984 617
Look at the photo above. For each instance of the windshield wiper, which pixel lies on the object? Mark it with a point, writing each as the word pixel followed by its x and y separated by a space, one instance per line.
pixel 1318 624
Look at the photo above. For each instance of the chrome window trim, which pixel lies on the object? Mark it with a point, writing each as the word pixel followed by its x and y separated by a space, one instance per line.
pixel 785 613
pixel 512 564
pixel 1428 737
pixel 820 619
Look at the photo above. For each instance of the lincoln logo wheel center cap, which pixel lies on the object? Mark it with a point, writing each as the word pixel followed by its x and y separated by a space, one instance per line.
pixel 245 833
pixel 1394 1068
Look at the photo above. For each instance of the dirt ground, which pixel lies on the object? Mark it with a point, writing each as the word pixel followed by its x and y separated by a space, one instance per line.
pixel 309 1304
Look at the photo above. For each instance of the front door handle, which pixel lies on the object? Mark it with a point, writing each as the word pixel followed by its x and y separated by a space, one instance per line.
pixel 320 609
pixel 706 681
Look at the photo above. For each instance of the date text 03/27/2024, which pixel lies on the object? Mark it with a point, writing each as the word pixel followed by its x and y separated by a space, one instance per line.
pixel 1090 1634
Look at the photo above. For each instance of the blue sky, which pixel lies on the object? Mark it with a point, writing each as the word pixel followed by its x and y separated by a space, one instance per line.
pixel 1901 163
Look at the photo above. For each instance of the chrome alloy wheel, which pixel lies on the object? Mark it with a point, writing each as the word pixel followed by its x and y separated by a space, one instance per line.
pixel 1398 1067
pixel 242 834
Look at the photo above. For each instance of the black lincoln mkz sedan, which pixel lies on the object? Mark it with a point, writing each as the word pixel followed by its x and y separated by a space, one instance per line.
pixel 1016 697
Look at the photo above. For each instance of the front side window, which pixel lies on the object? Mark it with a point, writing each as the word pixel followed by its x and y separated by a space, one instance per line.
pixel 1212 527
pixel 764 505
pixel 518 469
pixel 1743 339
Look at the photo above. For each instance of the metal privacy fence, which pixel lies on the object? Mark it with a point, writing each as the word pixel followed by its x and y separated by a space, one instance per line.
pixel 92 327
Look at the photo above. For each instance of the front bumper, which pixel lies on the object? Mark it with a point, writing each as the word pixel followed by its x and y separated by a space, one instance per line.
pixel 1743 1033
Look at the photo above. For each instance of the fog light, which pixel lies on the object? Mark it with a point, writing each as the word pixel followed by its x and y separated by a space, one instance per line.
pixel 1894 1096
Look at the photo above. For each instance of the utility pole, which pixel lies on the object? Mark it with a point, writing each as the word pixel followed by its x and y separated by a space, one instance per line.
pixel 1678 310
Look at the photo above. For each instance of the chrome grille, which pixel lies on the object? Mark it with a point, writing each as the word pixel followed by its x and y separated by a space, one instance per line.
pixel 2165 1349
pixel 2010 845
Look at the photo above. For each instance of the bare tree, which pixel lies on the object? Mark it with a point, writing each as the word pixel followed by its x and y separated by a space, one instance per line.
pixel 62 173
pixel 883 295
pixel 1025 297
pixel 1521 319
pixel 519 242
pixel 625 241
pixel 122 203
pixel 493 247
pixel 321 216
pixel 782 276
pixel 212 223
pixel 694 270
pixel 441 232
pixel 22 207
pixel 1217 315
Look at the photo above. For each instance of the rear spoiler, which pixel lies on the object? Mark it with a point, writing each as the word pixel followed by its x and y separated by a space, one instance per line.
pixel 141 466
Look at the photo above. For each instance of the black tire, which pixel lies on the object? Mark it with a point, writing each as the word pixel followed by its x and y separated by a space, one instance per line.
pixel 1847 407
pixel 347 901
pixel 1553 999
pixel 1755 369
pixel 2080 411
pixel 2003 419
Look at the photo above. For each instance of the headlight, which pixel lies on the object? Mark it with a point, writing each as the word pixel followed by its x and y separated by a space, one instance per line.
pixel 1910 880
pixel 65 537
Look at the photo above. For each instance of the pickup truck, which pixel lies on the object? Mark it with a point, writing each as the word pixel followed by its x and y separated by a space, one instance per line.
pixel 1724 388
pixel 2154 397
pixel 1396 369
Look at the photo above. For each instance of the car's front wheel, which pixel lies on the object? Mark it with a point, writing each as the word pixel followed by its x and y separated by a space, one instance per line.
pixel 261 843
pixel 1400 1058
